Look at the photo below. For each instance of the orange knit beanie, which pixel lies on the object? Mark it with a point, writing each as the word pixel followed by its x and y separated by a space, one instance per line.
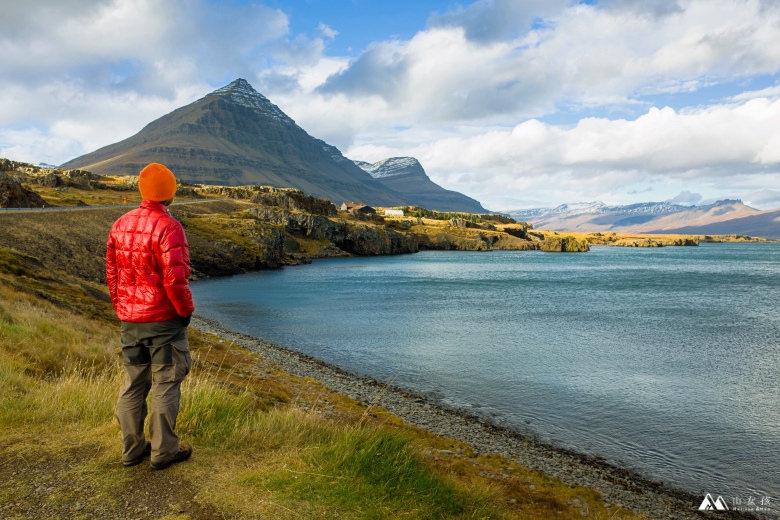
pixel 157 183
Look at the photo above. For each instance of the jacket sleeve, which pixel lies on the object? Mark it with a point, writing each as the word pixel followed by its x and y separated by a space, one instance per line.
pixel 111 270
pixel 175 260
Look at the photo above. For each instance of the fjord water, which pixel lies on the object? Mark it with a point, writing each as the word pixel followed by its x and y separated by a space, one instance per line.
pixel 662 360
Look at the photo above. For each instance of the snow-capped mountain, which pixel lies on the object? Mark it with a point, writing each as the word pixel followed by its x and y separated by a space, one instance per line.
pixel 599 208
pixel 236 136
pixel 406 175
pixel 723 217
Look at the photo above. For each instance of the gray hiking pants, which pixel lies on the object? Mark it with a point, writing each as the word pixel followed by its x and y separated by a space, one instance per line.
pixel 156 358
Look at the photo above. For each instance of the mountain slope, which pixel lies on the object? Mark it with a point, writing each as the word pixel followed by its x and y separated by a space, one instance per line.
pixel 595 216
pixel 235 136
pixel 765 224
pixel 725 217
pixel 719 212
pixel 406 175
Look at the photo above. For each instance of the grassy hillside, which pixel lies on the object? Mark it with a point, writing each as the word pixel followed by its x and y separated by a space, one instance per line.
pixel 267 445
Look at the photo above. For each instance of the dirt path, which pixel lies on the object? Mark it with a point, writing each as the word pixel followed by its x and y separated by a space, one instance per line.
pixel 46 485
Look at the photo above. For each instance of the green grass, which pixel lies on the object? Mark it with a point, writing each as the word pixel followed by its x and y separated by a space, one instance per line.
pixel 380 464
pixel 300 460
pixel 59 378
pixel 257 455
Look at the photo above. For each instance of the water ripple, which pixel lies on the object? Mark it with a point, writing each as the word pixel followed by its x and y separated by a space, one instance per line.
pixel 663 359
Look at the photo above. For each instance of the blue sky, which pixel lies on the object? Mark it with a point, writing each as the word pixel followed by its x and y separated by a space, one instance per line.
pixel 359 22
pixel 518 103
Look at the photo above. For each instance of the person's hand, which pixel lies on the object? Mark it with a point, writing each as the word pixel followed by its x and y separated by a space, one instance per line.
pixel 185 320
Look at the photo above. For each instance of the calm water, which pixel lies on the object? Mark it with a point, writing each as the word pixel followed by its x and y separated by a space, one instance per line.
pixel 663 360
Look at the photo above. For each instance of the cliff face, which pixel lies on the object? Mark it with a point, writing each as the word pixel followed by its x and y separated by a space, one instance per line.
pixel 444 240
pixel 566 244
pixel 351 237
pixel 228 244
pixel 370 241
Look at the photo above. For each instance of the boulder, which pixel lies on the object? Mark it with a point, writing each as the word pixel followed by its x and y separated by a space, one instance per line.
pixel 14 195
pixel 50 180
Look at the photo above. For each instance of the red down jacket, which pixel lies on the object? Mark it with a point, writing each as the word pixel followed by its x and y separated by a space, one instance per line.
pixel 147 266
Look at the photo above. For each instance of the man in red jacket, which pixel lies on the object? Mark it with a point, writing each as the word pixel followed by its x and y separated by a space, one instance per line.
pixel 147 270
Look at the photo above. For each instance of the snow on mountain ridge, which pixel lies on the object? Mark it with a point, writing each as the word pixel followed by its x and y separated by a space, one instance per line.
pixel 392 167
pixel 597 207
pixel 334 152
pixel 573 208
pixel 242 93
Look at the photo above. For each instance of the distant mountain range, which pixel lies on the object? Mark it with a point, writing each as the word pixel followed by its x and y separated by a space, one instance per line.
pixel 725 217
pixel 406 175
pixel 236 136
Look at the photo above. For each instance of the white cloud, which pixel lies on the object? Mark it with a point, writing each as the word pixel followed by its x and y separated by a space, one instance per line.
pixel 494 20
pixel 86 73
pixel 106 41
pixel 74 118
pixel 762 199
pixel 327 32
pixel 585 56
pixel 686 198
pixel 717 147
pixel 466 95
pixel 769 92
pixel 34 145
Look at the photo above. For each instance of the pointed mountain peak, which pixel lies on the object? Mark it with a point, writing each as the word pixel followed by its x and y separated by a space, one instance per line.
pixel 242 93
pixel 240 85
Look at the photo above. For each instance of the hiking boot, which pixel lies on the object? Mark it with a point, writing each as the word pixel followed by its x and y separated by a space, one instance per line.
pixel 136 461
pixel 185 450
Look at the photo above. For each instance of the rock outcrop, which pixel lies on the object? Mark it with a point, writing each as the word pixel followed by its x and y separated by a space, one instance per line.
pixel 454 240
pixel 463 223
pixel 260 246
pixel 567 244
pixel 366 240
pixel 14 195
pixel 291 199
pixel 350 237
pixel 657 242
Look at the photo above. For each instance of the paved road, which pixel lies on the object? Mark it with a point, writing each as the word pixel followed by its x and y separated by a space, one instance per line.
pixel 107 206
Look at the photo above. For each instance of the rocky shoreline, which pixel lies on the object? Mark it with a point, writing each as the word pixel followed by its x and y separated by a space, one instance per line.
pixel 620 487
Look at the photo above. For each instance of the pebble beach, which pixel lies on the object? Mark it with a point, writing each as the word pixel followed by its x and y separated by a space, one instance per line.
pixel 619 486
